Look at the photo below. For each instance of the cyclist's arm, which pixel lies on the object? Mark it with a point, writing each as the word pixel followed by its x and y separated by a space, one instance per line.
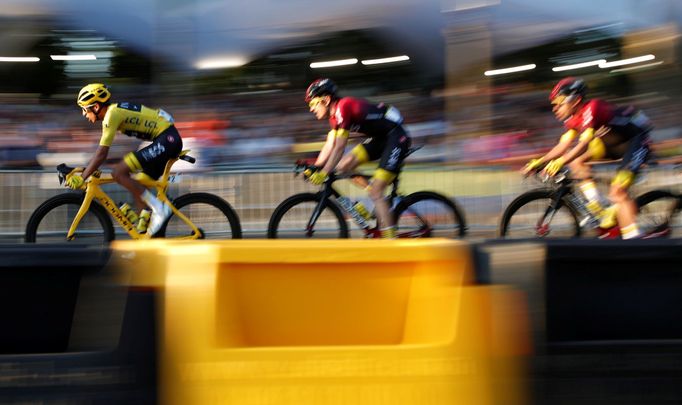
pixel 99 157
pixel 112 120
pixel 581 147
pixel 560 148
pixel 339 146
pixel 326 149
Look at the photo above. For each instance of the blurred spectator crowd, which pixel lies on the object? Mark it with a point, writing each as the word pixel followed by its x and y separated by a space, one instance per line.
pixel 238 130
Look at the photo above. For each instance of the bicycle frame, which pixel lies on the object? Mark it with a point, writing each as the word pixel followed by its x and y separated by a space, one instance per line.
pixel 94 191
pixel 564 188
pixel 360 179
pixel 564 193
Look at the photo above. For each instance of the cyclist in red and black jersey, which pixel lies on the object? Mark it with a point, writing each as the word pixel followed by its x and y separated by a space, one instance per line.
pixel 604 131
pixel 387 141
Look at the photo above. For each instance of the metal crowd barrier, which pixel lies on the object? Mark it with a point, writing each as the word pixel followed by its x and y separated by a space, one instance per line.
pixel 483 192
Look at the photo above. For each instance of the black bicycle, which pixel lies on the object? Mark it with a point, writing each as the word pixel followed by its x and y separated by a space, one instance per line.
pixel 320 215
pixel 559 210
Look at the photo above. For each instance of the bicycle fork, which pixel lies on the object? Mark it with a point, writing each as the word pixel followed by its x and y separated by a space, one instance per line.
pixel 85 206
pixel 310 226
pixel 542 227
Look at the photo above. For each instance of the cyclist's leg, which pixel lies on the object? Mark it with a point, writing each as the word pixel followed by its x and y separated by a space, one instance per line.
pixel 348 163
pixel 121 175
pixel 583 172
pixel 392 157
pixel 363 153
pixel 151 160
pixel 376 189
pixel 633 159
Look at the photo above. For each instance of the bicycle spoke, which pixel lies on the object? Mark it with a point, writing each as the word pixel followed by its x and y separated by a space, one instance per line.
pixel 660 209
pixel 295 222
pixel 54 225
pixel 211 222
pixel 295 219
pixel 535 217
pixel 428 216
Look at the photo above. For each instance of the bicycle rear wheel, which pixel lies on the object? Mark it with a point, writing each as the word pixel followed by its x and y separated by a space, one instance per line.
pixel 215 218
pixel 50 222
pixel 531 215
pixel 291 218
pixel 658 210
pixel 428 214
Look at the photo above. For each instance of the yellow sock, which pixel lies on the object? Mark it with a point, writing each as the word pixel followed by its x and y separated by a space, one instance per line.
pixel 388 233
pixel 589 190
pixel 630 231
pixel 594 207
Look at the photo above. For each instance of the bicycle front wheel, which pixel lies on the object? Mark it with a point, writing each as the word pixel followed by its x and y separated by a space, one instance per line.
pixel 658 211
pixel 292 219
pixel 532 215
pixel 51 221
pixel 428 214
pixel 213 216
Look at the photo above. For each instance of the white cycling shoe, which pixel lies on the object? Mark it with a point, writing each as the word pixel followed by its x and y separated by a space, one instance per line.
pixel 158 218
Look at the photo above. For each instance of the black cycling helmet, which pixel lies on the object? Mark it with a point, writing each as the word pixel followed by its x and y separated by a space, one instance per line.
pixel 320 87
pixel 568 87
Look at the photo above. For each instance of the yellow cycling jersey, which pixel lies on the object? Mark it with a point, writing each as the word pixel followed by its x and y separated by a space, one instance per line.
pixel 133 120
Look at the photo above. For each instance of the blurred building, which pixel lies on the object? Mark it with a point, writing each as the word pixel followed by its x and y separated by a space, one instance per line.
pixel 446 77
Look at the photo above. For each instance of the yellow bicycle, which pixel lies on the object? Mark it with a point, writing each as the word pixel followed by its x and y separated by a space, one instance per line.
pixel 195 215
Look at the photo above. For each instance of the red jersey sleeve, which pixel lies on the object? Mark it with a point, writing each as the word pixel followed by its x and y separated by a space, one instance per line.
pixel 342 116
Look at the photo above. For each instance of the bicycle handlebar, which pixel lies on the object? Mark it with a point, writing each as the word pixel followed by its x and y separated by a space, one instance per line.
pixel 563 175
pixel 63 170
pixel 301 166
pixel 538 174
pixel 187 158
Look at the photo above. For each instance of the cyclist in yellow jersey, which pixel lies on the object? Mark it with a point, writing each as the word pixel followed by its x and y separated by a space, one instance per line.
pixel 154 125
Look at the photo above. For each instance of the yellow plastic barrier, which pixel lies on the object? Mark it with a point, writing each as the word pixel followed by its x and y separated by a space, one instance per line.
pixel 328 322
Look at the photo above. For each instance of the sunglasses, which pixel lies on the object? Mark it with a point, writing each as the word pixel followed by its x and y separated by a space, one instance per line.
pixel 558 100
pixel 314 102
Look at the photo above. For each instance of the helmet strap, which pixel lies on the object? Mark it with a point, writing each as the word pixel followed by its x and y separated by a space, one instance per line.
pixel 100 108
pixel 331 106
